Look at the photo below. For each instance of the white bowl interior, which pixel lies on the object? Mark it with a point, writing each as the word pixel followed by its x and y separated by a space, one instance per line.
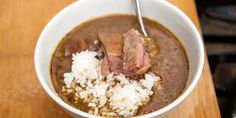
pixel 83 10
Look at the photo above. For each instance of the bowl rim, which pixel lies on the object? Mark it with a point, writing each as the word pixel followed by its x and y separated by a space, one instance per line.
pixel 161 111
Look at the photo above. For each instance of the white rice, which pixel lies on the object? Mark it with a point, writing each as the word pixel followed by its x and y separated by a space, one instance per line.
pixel 112 96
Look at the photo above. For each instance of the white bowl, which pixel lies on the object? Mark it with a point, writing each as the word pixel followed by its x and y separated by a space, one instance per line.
pixel 83 10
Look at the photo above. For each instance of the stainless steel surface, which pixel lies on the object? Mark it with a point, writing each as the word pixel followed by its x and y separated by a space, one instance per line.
pixel 139 16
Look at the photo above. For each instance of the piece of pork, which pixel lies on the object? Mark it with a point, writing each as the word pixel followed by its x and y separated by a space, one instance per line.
pixel 135 59
pixel 79 45
pixel 112 43
pixel 105 67
pixel 146 65
pixel 74 46
pixel 116 64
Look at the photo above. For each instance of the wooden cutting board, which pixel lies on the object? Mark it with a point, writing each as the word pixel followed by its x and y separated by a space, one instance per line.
pixel 21 95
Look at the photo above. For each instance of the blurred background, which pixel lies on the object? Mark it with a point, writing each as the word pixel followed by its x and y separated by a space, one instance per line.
pixel 218 23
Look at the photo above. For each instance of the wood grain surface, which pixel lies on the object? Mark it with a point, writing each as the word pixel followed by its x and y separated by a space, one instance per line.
pixel 21 95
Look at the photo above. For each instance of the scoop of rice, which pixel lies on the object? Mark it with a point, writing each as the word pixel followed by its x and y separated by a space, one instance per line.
pixel 84 67
pixel 114 96
pixel 128 95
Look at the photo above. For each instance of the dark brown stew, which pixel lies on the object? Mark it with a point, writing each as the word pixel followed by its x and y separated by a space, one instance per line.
pixel 170 63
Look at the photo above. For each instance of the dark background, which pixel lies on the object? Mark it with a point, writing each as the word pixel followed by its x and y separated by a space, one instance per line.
pixel 218 23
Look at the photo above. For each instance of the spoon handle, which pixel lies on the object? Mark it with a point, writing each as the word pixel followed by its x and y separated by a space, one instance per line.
pixel 139 16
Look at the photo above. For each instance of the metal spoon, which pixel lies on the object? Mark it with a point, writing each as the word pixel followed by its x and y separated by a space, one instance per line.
pixel 149 43
pixel 139 16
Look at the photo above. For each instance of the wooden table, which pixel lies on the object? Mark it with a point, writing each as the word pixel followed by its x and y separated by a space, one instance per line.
pixel 21 95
